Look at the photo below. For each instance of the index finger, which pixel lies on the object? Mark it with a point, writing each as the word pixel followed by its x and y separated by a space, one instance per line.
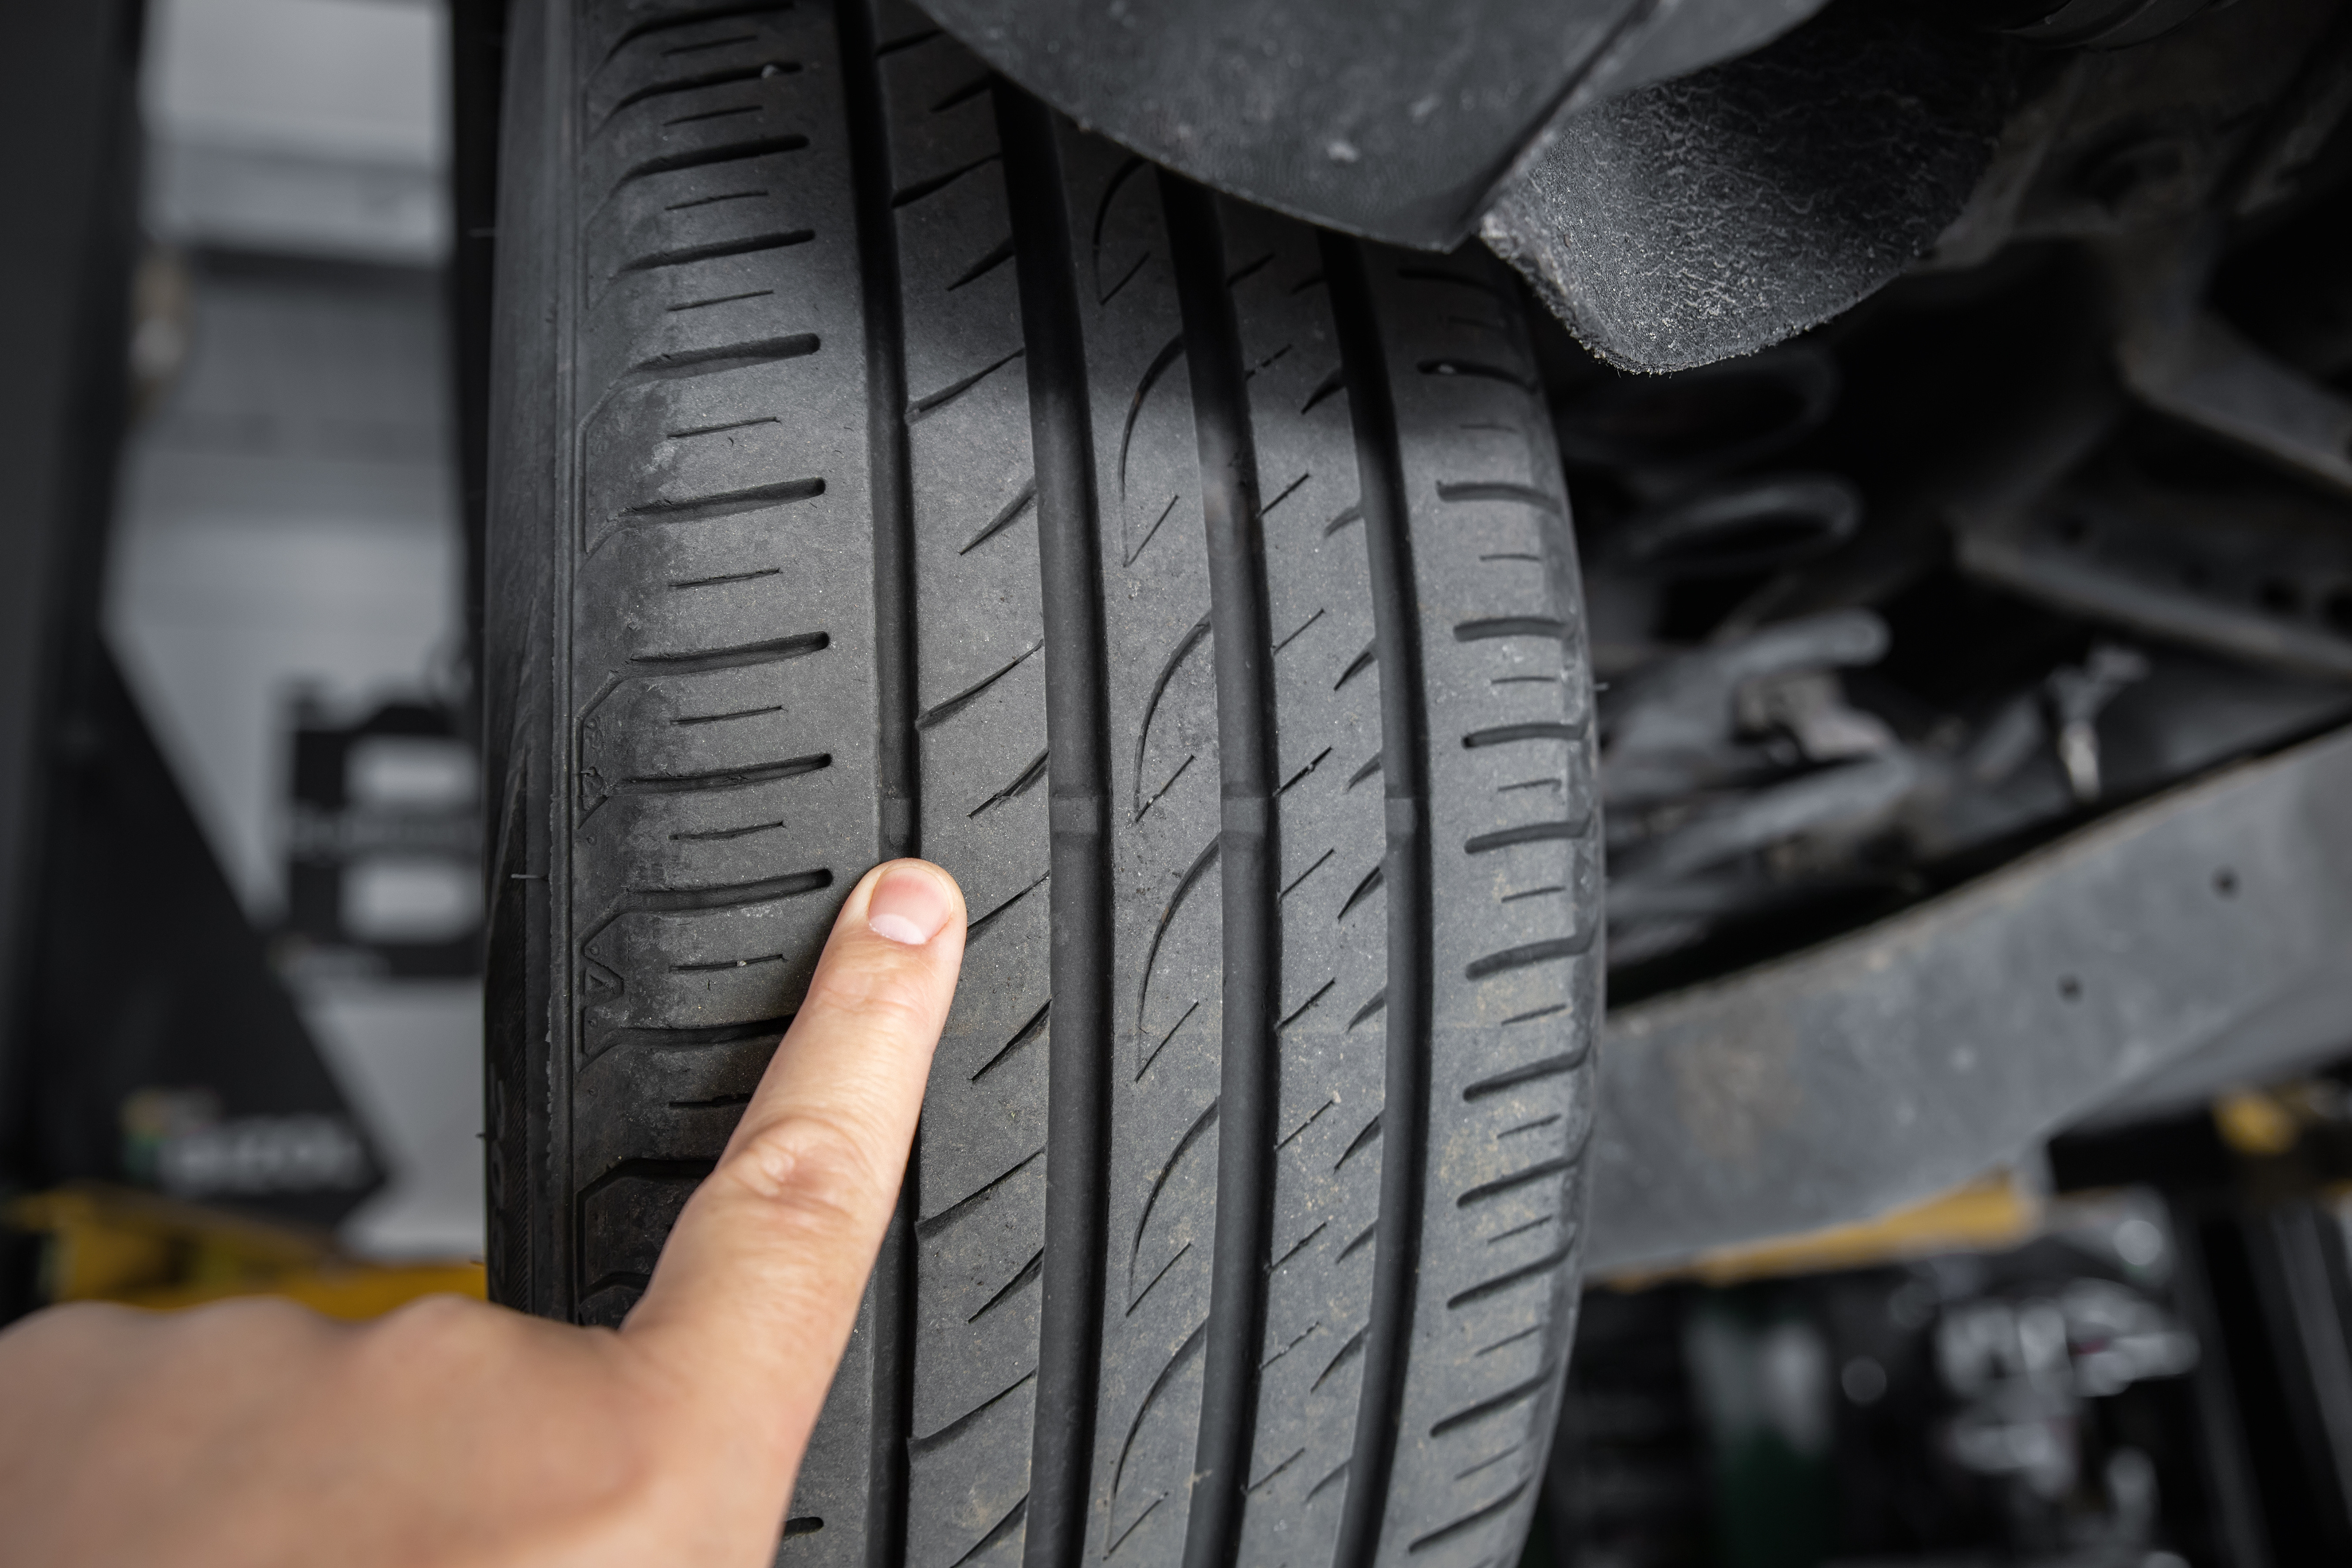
pixel 752 1300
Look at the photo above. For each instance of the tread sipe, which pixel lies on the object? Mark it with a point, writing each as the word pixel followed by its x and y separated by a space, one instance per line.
pixel 885 466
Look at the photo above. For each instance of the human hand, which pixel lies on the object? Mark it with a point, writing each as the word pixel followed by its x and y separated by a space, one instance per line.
pixel 255 1433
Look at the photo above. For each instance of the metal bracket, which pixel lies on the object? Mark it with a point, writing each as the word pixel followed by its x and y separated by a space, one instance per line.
pixel 1886 1066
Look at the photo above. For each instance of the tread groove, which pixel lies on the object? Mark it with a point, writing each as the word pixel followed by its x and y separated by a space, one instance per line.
pixel 674 85
pixel 1150 533
pixel 1267 1479
pixel 731 895
pixel 965 94
pixel 725 504
pixel 1149 1285
pixel 1468 1522
pixel 1242 635
pixel 972 1199
pixel 1021 782
pixel 1300 1011
pixel 1481 490
pixel 1509 1340
pixel 1169 352
pixel 1510 1277
pixel 688 19
pixel 975 928
pixel 933 717
pixel 938 182
pixel 1513 626
pixel 1168 667
pixel 1003 521
pixel 720 835
pixel 1280 497
pixel 930 1442
pixel 1029 1272
pixel 1529 954
pixel 722 357
pixel 1527 833
pixel 1320 861
pixel 1403 765
pixel 1181 1021
pixel 1295 1248
pixel 1200 863
pixel 1335 382
pixel 701 1038
pixel 1192 1135
pixel 1483 371
pixel 1536 1224
pixel 1312 763
pixel 704 157
pixel 1183 1353
pixel 931 403
pixel 1511 1078
pixel 641 1169
pixel 1495 1405
pixel 1071 1279
pixel 1125 172
pixel 996 1533
pixel 1370 1131
pixel 724 777
pixel 1294 1133
pixel 724 299
pixel 984 266
pixel 1348 1352
pixel 1134 1525
pixel 702 660
pixel 1295 635
pixel 1504 734
pixel 1027 1032
pixel 897 780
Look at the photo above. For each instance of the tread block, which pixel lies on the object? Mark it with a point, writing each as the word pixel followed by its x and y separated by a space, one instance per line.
pixel 735 964
pixel 666 1101
pixel 626 1216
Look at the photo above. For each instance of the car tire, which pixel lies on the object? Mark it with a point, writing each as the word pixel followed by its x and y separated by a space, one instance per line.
pixel 882 466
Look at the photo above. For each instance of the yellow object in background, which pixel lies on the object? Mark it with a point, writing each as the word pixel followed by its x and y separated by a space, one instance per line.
pixel 115 1244
pixel 2258 1122
pixel 1998 1211
pixel 1991 1214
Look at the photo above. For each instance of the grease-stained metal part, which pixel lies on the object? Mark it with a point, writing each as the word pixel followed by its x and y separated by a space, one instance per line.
pixel 2262 573
pixel 1673 730
pixel 1886 1066
pixel 2205 372
pixel 1762 523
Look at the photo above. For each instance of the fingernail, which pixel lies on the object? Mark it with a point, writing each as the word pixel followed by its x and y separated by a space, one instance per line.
pixel 909 905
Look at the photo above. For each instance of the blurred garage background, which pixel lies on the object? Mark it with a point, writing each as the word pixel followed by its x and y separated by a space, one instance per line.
pixel 284 591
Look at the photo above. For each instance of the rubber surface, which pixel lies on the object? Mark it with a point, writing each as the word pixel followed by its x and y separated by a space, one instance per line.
pixel 886 467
